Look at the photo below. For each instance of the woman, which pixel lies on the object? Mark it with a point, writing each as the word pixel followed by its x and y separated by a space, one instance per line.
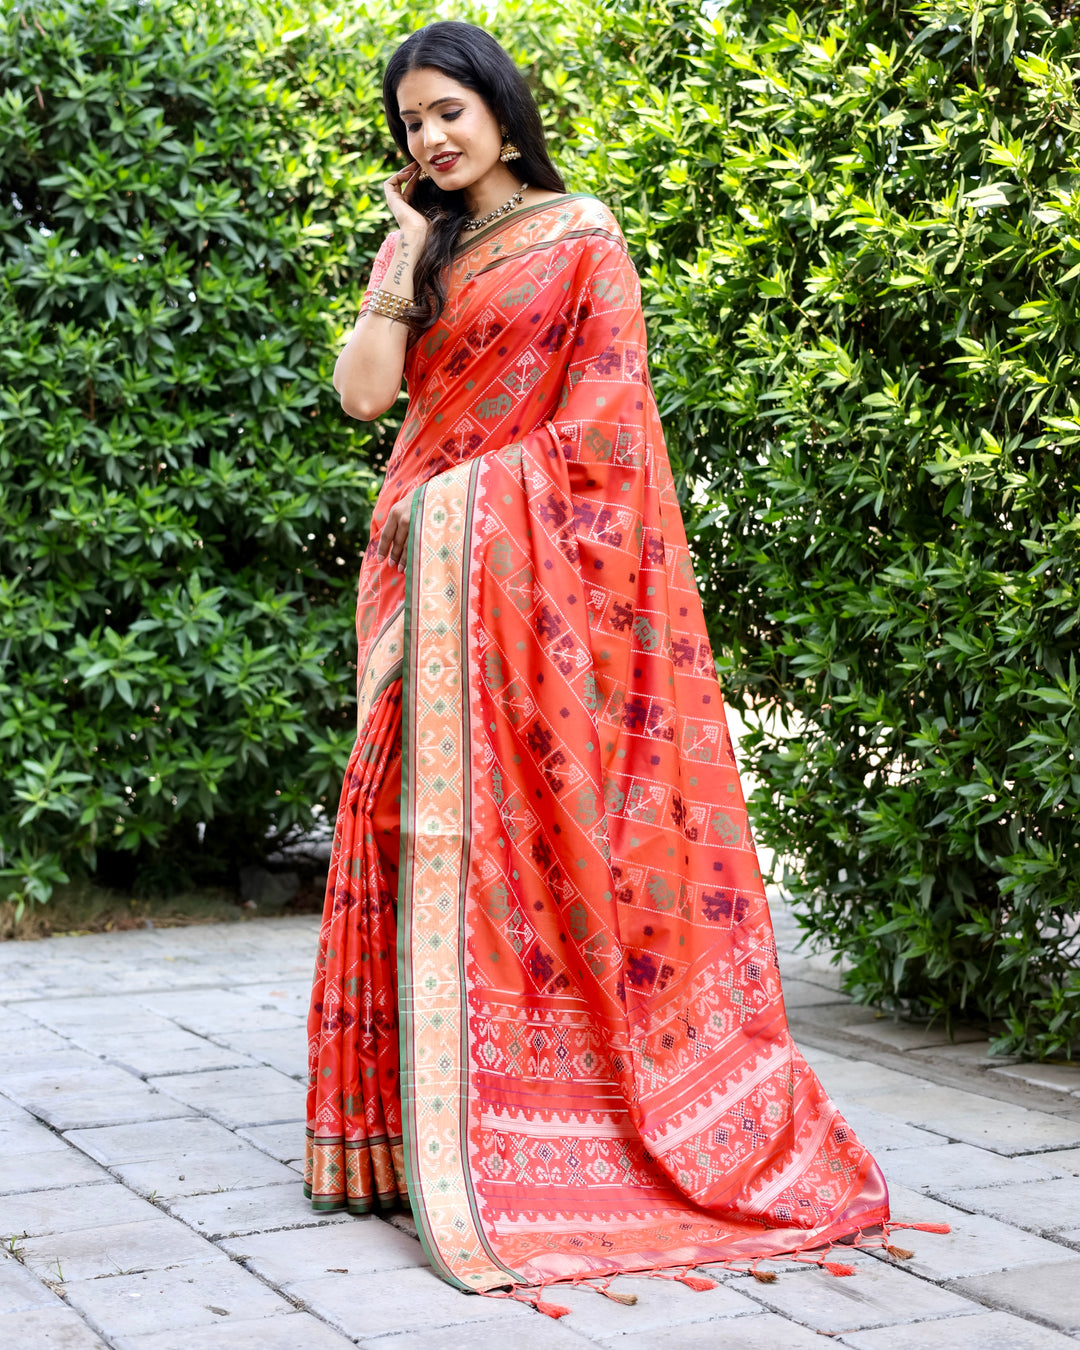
pixel 542 822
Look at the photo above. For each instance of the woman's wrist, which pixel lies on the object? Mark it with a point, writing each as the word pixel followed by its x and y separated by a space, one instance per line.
pixel 399 275
pixel 412 240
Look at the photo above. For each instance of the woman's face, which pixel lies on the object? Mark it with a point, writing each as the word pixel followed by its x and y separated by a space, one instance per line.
pixel 452 132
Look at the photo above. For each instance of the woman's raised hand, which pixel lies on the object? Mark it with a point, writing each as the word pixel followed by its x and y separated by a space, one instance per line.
pixel 395 533
pixel 398 190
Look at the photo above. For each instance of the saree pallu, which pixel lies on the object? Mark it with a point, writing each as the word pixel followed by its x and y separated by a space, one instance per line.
pixel 595 1069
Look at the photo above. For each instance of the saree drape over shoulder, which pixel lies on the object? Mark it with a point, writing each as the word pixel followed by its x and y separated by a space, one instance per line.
pixel 559 1026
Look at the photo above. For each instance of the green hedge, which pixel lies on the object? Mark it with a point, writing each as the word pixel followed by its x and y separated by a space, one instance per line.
pixel 190 197
pixel 857 228
pixel 186 208
pixel 862 225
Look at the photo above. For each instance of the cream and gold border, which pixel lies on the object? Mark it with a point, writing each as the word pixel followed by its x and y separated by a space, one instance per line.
pixel 434 862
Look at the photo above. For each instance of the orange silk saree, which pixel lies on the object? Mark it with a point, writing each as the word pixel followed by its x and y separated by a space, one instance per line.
pixel 558 1028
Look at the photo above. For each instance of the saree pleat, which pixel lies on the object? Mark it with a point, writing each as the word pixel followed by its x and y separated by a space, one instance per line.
pixel 353 1151
pixel 596 1072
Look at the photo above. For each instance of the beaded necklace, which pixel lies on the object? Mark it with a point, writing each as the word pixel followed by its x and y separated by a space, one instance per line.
pixel 515 200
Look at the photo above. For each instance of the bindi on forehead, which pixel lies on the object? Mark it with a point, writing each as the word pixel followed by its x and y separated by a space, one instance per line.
pixel 435 103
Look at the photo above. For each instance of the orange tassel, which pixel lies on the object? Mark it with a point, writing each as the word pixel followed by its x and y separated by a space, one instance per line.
pixel 925 1227
pixel 627 1300
pixel 697 1282
pixel 900 1253
pixel 764 1276
pixel 834 1268
pixel 550 1309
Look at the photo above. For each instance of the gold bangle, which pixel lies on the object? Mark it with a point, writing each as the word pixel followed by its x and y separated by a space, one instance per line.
pixel 388 304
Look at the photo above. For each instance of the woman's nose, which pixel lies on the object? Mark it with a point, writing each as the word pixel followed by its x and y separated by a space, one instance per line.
pixel 433 136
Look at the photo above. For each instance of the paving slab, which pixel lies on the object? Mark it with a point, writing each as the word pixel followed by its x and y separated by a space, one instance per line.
pixel 534 1333
pixel 13 1022
pixel 64 1011
pixel 10 1110
pixel 1065 1160
pixel 816 1057
pixel 809 968
pixel 284 1048
pixel 1059 1077
pixel 951 1167
pixel 855 1080
pixel 32 1045
pixel 181 1298
pixel 905 1035
pixel 106 1109
pixel 54 1328
pixel 661 1304
pixel 1049 1293
pixel 877 1296
pixel 982 1331
pixel 43 1171
pixel 882 1134
pixel 257 1209
pixel 19 1290
pixel 970 1054
pixel 1038 1206
pixel 145 1140
pixel 194 1174
pixel 217 1011
pixel 293 1331
pixel 362 1245
pixel 68 1072
pixel 366 1306
pixel 284 1142
pixel 977 1244
pixel 179 1052
pixel 83 1019
pixel 65 1069
pixel 234 1097
pixel 765 1331
pixel 970 1119
pixel 290 996
pixel 71 1207
pixel 805 994
pixel 27 1135
pixel 215 1018
pixel 116 1249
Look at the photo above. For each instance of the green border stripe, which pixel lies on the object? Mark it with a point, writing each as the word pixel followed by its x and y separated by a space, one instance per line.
pixel 477 236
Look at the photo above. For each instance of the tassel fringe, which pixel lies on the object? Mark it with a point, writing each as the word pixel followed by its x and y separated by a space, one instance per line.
pixel 627 1300
pixel 878 1240
pixel 550 1309
pixel 534 1299
pixel 697 1282
pixel 835 1268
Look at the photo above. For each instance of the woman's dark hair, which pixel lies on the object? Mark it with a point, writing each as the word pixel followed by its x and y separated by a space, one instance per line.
pixel 474 59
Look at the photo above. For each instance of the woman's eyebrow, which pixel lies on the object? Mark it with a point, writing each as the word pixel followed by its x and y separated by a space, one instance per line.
pixel 450 98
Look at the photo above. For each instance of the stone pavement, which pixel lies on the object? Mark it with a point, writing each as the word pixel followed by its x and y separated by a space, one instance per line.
pixel 151 1099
